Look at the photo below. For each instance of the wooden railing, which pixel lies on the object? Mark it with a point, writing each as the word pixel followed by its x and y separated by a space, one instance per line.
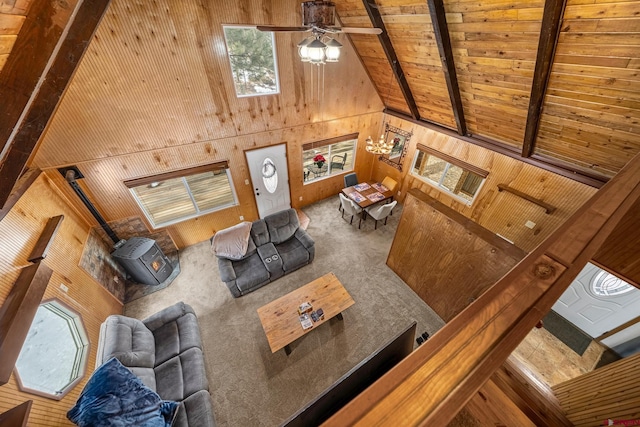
pixel 431 385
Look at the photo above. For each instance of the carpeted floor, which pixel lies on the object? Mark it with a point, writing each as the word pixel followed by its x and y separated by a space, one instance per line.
pixel 249 385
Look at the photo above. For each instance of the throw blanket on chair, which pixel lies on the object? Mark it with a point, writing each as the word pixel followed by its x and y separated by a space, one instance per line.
pixel 232 242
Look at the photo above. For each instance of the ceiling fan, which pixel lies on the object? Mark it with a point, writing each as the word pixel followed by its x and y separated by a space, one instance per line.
pixel 319 17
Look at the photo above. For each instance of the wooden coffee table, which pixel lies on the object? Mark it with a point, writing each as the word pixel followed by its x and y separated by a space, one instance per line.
pixel 280 319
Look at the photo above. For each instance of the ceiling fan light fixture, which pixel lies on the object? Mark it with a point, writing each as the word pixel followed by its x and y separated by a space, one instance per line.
pixel 303 49
pixel 316 50
pixel 333 50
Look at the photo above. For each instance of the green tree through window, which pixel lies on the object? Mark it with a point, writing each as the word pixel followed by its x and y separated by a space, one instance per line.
pixel 252 57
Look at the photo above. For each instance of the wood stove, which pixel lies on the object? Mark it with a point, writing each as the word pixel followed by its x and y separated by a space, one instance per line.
pixel 143 260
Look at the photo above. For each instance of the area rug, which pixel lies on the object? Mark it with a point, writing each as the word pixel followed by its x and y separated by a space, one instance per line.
pixel 566 332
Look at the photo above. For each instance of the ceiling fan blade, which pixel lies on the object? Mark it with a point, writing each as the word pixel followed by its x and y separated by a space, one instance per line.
pixel 353 30
pixel 273 28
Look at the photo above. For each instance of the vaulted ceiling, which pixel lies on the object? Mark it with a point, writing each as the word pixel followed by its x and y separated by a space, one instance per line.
pixel 585 109
pixel 469 66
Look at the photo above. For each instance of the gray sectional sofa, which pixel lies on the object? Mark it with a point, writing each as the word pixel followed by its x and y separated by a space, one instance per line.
pixel 165 352
pixel 275 246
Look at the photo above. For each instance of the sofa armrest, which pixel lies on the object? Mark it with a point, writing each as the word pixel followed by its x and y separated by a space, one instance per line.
pixel 304 238
pixel 167 315
pixel 227 273
pixel 271 259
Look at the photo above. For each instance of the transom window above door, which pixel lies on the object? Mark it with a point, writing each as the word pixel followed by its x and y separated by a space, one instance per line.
pixel 176 196
pixel 328 157
pixel 252 55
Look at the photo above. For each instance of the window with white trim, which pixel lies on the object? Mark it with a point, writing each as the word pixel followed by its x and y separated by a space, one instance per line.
pixel 252 55
pixel 328 157
pixel 177 196
pixel 448 174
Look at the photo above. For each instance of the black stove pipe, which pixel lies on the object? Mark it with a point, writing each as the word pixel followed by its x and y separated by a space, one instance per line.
pixel 70 176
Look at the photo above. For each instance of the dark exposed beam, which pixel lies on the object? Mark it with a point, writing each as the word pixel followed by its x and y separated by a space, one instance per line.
pixel 552 165
pixel 549 33
pixel 390 52
pixel 47 51
pixel 19 189
pixel 441 31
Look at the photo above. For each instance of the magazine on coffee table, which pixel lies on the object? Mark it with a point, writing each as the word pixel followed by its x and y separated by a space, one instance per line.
pixel 381 188
pixel 357 197
pixel 362 186
pixel 375 197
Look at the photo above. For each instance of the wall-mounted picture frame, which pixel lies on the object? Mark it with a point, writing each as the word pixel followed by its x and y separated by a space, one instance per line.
pixel 399 140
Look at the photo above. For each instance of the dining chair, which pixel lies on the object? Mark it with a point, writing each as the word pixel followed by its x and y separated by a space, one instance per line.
pixel 350 180
pixel 381 212
pixel 390 183
pixel 351 208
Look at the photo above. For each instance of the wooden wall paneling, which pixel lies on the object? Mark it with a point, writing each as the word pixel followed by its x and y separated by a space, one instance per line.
pixel 12 15
pixel 591 115
pixel 49 47
pixel 504 214
pixel 104 177
pixel 619 253
pixel 20 230
pixel 490 41
pixel 447 259
pixel 157 75
pixel 611 392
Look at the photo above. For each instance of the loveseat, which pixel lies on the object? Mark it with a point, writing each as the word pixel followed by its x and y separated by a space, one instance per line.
pixel 250 255
pixel 165 352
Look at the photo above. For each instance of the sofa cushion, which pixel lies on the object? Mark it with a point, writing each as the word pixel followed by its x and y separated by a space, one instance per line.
pixel 181 376
pixel 282 225
pixel 293 254
pixel 176 336
pixel 129 340
pixel 113 396
pixel 250 272
pixel 233 242
pixel 195 410
pixel 147 375
pixel 260 232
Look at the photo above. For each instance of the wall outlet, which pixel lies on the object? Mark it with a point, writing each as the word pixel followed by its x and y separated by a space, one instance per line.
pixel 241 218
pixel 399 193
pixel 64 288
pixel 530 224
pixel 300 199
pixel 246 182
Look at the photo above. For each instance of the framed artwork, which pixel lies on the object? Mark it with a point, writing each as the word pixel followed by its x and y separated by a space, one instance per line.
pixel 399 140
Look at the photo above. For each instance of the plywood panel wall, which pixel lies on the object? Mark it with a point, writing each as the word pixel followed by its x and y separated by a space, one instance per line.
pixel 501 212
pixel 591 113
pixel 447 259
pixel 19 231
pixel 608 393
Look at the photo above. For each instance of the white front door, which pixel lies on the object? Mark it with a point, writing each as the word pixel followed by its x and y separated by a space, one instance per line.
pixel 598 302
pixel 270 178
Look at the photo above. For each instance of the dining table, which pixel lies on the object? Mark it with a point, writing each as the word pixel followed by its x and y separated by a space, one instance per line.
pixel 367 193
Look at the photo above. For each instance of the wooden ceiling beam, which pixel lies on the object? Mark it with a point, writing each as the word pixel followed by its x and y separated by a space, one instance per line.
pixel 48 49
pixel 552 165
pixel 385 41
pixel 549 33
pixel 441 31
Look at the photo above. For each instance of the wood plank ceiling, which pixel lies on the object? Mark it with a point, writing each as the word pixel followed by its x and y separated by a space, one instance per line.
pixel 12 15
pixel 585 112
